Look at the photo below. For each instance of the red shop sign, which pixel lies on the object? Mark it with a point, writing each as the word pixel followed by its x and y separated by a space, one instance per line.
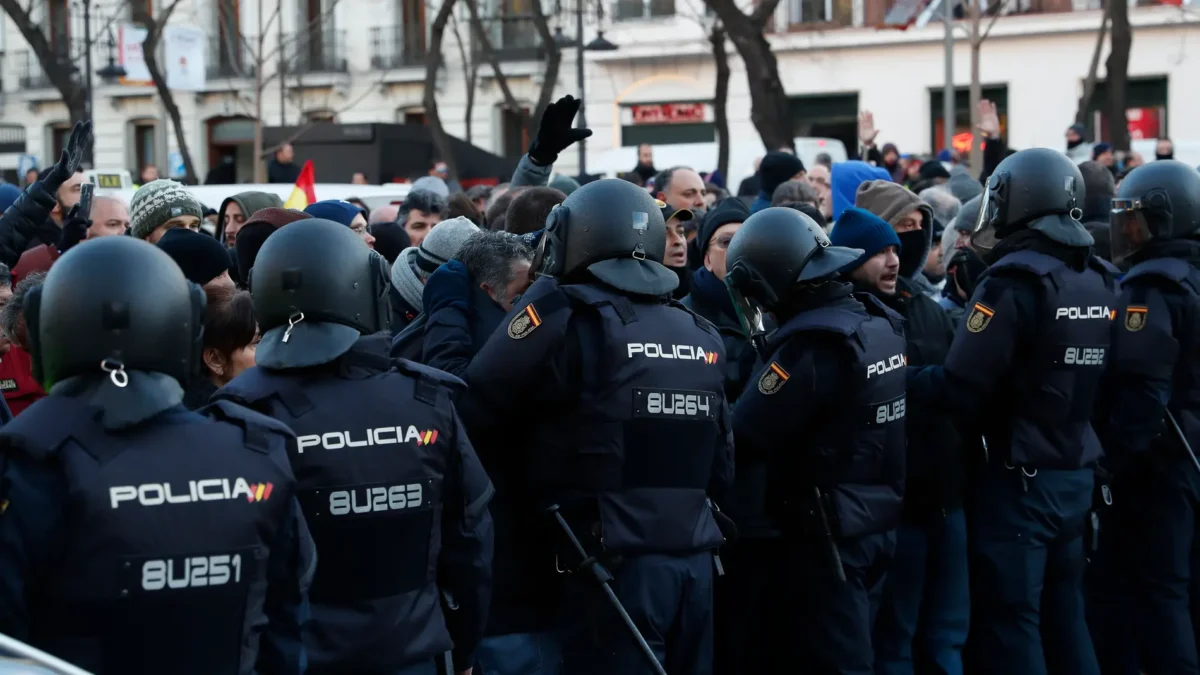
pixel 668 113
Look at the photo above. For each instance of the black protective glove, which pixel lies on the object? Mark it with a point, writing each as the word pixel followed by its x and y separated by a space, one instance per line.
pixel 74 229
pixel 72 156
pixel 965 268
pixel 555 132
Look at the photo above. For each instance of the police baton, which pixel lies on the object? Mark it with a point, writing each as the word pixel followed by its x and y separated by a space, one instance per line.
pixel 604 578
pixel 835 556
pixel 24 651
pixel 1183 439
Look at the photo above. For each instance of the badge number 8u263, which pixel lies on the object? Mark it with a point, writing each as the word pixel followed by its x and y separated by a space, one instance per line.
pixel 524 323
pixel 981 316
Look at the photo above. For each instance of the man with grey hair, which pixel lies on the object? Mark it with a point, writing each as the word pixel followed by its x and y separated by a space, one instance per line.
pixel 796 191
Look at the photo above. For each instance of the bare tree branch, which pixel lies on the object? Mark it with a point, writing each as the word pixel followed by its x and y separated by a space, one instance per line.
pixel 553 62
pixel 154 32
pixel 764 12
pixel 485 46
pixel 58 70
pixel 999 11
pixel 441 141
pixel 470 73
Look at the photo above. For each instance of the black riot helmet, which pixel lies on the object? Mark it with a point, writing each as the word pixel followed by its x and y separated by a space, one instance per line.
pixel 316 288
pixel 1159 200
pixel 115 305
pixel 1038 189
pixel 773 251
pixel 613 229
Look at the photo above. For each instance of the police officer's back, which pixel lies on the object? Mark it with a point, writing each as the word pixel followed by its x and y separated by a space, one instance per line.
pixel 1155 373
pixel 826 412
pixel 136 536
pixel 390 486
pixel 1023 375
pixel 614 398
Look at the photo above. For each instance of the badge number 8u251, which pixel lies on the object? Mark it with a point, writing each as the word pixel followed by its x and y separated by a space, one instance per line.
pixel 524 323
pixel 981 316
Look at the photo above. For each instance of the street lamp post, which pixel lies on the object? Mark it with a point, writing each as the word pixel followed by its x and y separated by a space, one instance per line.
pixel 108 74
pixel 599 44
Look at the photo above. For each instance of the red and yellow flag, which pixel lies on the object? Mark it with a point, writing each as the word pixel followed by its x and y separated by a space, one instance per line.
pixel 304 193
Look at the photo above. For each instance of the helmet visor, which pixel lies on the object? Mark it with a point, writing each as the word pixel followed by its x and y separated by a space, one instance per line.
pixel 1128 228
pixel 983 235
pixel 749 313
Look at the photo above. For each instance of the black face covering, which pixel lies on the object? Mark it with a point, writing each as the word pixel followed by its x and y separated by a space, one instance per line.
pixel 1169 155
pixel 1071 145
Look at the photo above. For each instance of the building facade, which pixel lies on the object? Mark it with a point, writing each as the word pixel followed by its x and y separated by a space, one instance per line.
pixel 352 61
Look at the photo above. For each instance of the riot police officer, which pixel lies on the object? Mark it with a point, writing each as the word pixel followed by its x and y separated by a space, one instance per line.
pixel 1022 375
pixel 390 486
pixel 826 413
pixel 611 397
pixel 1153 420
pixel 136 536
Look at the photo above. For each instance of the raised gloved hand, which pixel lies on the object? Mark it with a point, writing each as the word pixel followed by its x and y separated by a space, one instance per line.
pixel 449 285
pixel 555 132
pixel 74 229
pixel 72 156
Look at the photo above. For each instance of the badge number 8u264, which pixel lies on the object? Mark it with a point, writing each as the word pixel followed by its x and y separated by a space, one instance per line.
pixel 524 323
pixel 981 316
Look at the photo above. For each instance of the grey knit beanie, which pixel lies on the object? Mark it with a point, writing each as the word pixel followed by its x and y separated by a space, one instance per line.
pixel 442 242
pixel 157 202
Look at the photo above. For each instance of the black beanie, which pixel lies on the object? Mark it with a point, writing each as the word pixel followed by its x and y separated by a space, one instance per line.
pixel 778 168
pixel 250 238
pixel 201 257
pixel 729 210
pixel 933 169
pixel 390 240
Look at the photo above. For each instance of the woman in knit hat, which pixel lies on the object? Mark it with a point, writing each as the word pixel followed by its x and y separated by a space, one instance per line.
pixel 161 205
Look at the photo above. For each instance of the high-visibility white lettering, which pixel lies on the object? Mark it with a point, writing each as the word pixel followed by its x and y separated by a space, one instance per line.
pixel 1077 313
pixel 657 351
pixel 336 440
pixel 376 499
pixel 191 572
pixel 206 490
pixel 886 366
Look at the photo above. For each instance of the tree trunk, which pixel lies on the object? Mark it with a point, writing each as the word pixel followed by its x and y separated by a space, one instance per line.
pixel 1117 76
pixel 975 92
pixel 485 47
pixel 553 61
pixel 54 65
pixel 720 96
pixel 260 166
pixel 469 72
pixel 1089 84
pixel 770 108
pixel 154 31
pixel 433 61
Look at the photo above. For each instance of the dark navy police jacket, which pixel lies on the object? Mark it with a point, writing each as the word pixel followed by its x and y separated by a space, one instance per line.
pixel 1028 360
pixel 827 410
pixel 616 411
pixel 175 545
pixel 397 503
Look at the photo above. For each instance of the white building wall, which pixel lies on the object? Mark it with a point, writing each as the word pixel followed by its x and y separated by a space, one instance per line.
pixel 1041 58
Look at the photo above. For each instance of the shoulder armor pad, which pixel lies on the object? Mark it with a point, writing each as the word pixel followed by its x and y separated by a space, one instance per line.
pixel 1027 261
pixel 1101 265
pixel 831 319
pixel 238 414
pixel 875 307
pixel 250 387
pixel 1172 269
pixel 43 428
pixel 432 375
pixel 701 322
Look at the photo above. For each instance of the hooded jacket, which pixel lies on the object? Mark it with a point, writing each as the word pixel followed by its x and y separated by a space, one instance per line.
pixel 844 179
pixel 248 202
pixel 27 224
